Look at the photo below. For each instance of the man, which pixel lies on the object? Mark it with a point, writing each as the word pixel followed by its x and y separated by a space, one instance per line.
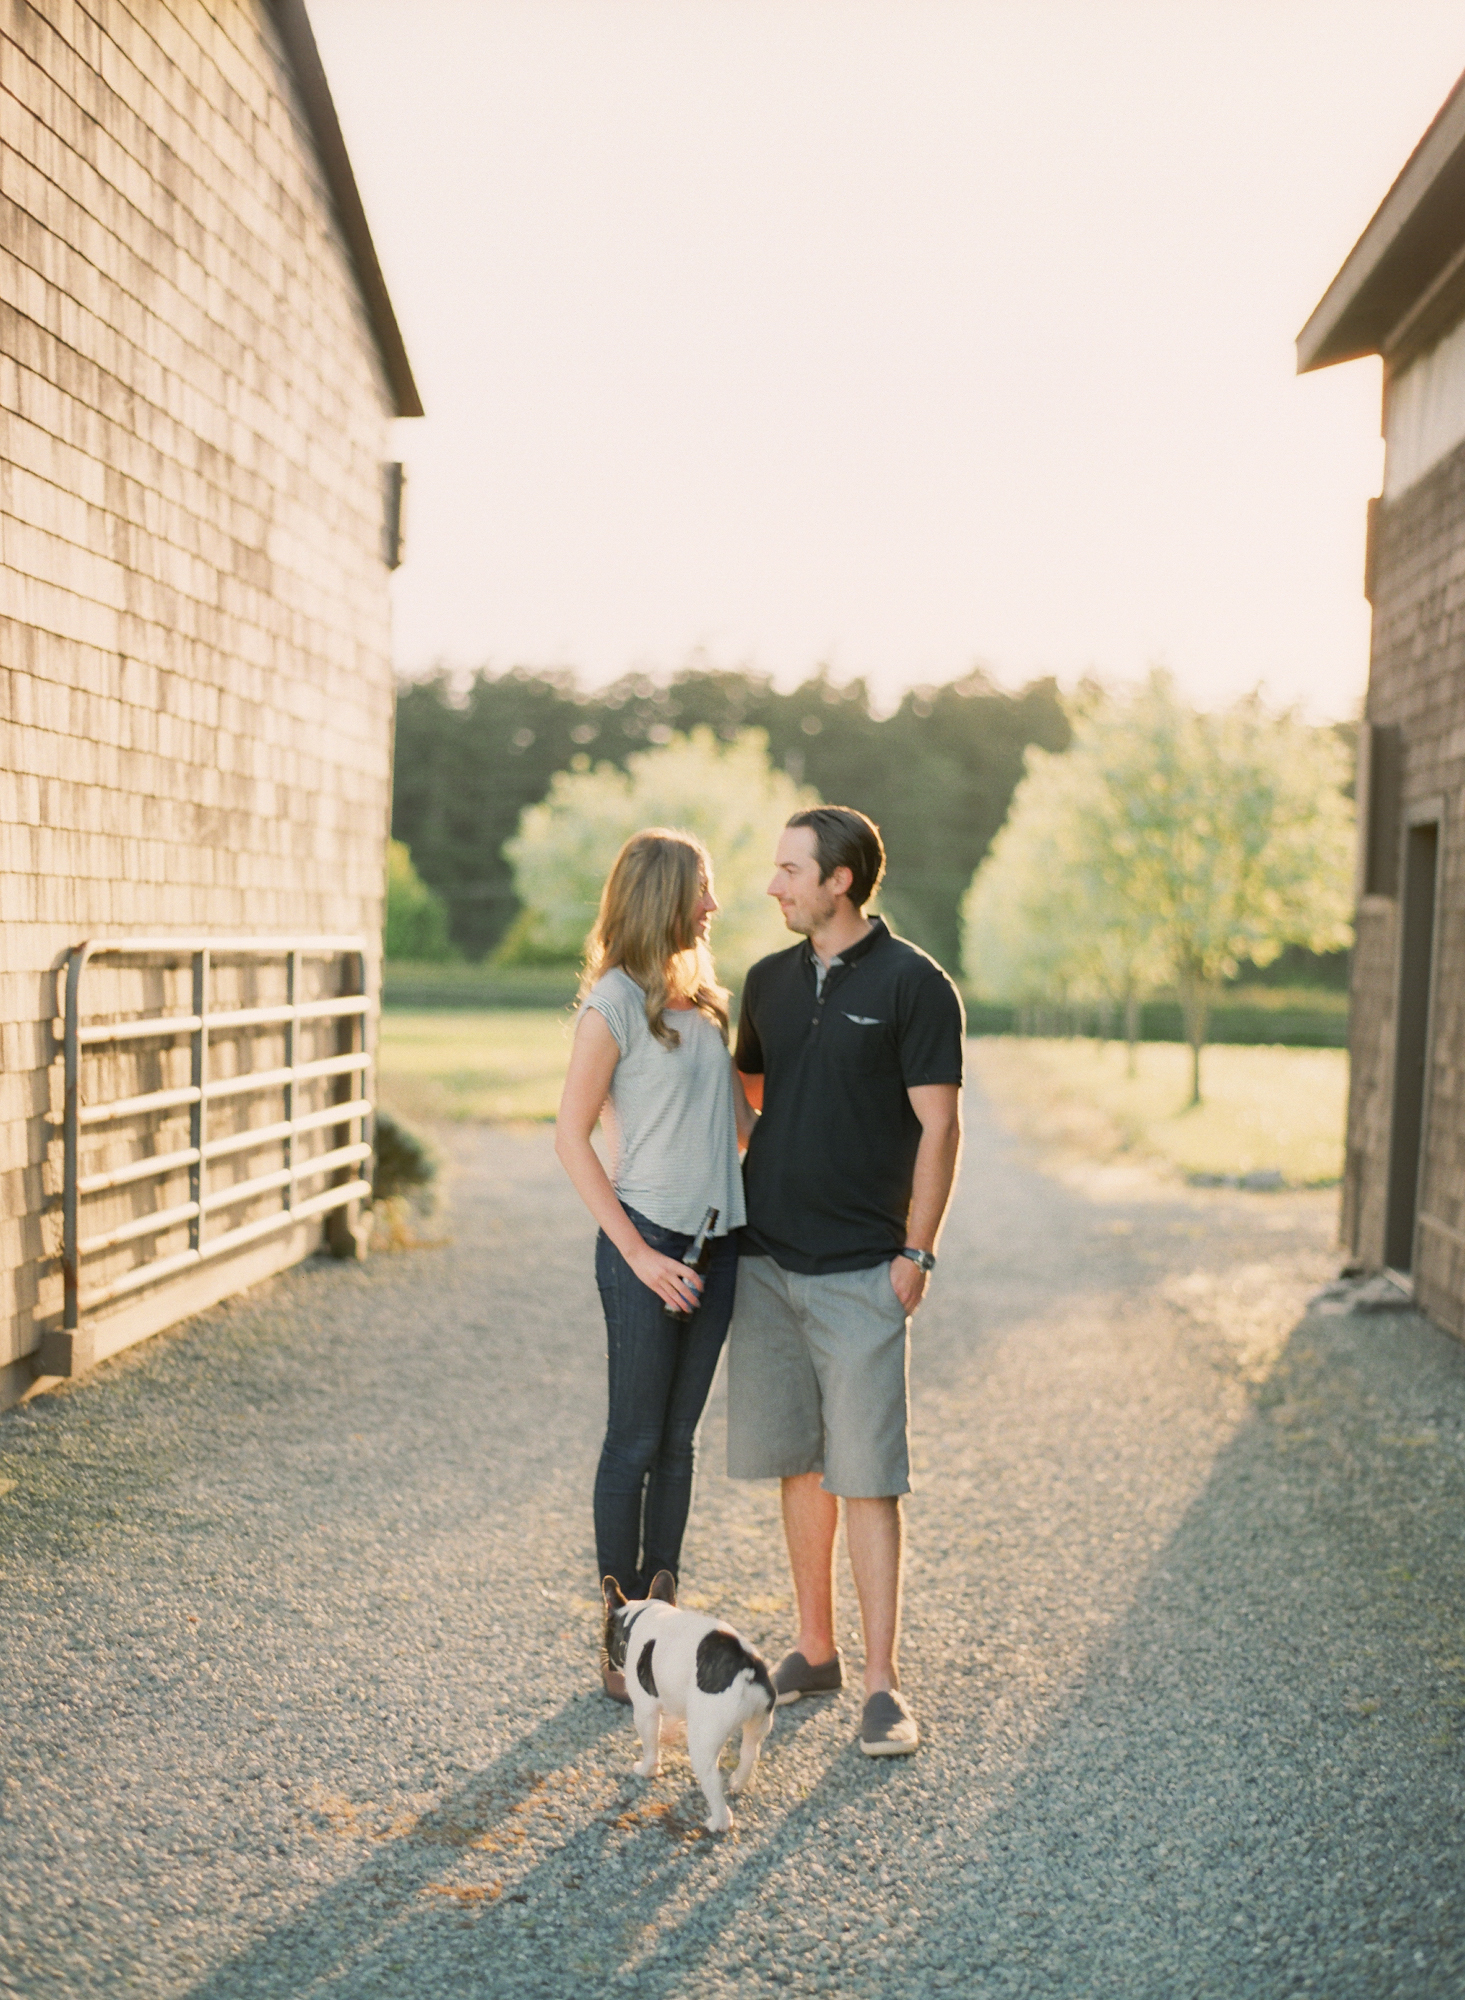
pixel 852 1044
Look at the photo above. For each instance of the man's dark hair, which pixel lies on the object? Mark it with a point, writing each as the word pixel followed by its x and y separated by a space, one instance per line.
pixel 844 838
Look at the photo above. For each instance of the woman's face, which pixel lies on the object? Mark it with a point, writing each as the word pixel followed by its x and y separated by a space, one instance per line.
pixel 706 907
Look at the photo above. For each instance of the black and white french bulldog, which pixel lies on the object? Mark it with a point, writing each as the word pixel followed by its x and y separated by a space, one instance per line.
pixel 681 1664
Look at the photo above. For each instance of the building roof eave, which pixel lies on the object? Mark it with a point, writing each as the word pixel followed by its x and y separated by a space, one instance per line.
pixel 1416 231
pixel 298 39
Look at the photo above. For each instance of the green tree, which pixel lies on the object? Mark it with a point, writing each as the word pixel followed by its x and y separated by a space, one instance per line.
pixel 417 919
pixel 1187 844
pixel 1018 913
pixel 464 771
pixel 953 757
pixel 727 794
pixel 1233 834
pixel 1047 917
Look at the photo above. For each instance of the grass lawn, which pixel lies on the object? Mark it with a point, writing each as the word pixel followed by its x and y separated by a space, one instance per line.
pixel 1264 1107
pixel 499 1065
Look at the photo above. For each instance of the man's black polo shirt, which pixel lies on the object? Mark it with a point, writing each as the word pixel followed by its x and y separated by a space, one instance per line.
pixel 830 1166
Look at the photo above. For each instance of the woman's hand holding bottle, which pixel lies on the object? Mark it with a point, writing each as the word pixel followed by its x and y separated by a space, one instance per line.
pixel 676 1284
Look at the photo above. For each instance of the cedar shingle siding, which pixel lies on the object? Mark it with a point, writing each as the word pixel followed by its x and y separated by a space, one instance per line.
pixel 195 687
pixel 1400 294
pixel 1417 685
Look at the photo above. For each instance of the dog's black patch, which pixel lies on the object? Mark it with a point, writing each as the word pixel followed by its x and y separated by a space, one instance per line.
pixel 614 1640
pixel 722 1656
pixel 613 1637
pixel 643 1669
pixel 664 1586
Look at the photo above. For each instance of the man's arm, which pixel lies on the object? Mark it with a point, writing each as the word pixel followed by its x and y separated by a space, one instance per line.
pixel 748 1055
pixel 938 1106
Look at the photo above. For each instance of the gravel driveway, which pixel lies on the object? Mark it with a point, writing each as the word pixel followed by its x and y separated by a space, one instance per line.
pixel 298 1636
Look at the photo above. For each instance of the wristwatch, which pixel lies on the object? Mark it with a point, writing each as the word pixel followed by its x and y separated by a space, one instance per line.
pixel 924 1260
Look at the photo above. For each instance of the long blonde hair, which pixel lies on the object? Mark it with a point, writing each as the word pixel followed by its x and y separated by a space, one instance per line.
pixel 648 927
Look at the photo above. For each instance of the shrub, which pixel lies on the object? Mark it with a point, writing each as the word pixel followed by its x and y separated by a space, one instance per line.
pixel 405 1166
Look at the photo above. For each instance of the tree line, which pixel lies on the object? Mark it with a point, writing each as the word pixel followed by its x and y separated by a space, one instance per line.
pixel 938 774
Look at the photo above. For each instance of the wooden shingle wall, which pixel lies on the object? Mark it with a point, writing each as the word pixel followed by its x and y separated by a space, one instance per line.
pixel 1417 686
pixel 195 687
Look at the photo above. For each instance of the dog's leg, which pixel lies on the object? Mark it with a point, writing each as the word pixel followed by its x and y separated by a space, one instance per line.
pixel 707 1731
pixel 648 1724
pixel 754 1730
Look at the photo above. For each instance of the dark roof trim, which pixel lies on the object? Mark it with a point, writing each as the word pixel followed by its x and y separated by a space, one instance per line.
pixel 295 31
pixel 1415 234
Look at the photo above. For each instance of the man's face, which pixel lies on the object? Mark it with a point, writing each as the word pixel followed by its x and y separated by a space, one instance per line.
pixel 806 902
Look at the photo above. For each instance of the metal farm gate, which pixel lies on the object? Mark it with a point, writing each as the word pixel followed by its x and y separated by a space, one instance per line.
pixel 217 1093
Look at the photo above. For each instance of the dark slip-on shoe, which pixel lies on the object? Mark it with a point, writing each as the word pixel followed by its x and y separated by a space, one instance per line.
pixel 615 1685
pixel 793 1678
pixel 887 1728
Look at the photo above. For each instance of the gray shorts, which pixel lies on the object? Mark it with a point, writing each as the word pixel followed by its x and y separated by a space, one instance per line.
pixel 816 1379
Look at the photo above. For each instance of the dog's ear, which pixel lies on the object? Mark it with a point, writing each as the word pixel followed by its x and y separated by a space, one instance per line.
pixel 664 1586
pixel 614 1596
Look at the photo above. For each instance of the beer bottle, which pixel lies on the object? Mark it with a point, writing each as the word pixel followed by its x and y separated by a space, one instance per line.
pixel 697 1258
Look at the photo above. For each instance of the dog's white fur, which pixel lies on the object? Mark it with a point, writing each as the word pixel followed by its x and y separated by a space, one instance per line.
pixel 673 1639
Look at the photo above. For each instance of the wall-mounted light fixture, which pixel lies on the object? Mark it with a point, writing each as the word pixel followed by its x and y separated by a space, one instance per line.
pixel 394 480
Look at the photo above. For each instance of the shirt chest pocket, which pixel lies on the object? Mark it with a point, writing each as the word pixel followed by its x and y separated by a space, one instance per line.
pixel 865 1040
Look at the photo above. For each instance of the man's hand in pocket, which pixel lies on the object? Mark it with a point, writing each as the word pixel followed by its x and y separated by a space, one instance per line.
pixel 908 1281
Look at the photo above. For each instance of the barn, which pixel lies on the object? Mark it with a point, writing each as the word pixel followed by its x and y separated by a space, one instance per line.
pixel 199 369
pixel 1401 295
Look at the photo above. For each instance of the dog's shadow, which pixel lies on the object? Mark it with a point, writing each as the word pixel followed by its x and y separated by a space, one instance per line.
pixel 423 1911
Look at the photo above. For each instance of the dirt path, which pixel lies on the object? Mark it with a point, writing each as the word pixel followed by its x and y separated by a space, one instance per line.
pixel 298 1641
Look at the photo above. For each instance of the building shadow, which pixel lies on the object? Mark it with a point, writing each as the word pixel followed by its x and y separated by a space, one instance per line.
pixel 1255 1786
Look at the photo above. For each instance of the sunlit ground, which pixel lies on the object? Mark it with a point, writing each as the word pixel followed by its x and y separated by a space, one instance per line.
pixel 499 1066
pixel 1263 1107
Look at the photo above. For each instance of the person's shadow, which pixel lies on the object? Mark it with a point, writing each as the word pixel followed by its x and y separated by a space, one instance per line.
pixel 425 1913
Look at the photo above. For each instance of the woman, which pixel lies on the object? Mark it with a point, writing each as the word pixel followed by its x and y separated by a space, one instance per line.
pixel 651 1049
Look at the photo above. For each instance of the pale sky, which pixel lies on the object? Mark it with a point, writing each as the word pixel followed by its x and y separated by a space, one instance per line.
pixel 893 334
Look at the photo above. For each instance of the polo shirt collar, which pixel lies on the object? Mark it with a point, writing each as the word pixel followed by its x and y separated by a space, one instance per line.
pixel 853 953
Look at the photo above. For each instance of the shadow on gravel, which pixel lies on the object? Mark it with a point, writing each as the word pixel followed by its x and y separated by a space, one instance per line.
pixel 387 1920
pixel 1257 1788
pixel 424 1915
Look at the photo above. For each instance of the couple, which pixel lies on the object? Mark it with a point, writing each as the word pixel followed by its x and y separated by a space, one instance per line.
pixel 845 1091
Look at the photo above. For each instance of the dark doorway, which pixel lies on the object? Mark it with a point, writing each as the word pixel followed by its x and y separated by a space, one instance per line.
pixel 1411 1044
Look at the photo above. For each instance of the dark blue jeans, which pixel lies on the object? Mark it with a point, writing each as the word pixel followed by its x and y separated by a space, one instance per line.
pixel 660 1373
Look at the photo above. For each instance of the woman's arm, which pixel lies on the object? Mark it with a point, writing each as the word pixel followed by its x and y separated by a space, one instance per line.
pixel 587 1084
